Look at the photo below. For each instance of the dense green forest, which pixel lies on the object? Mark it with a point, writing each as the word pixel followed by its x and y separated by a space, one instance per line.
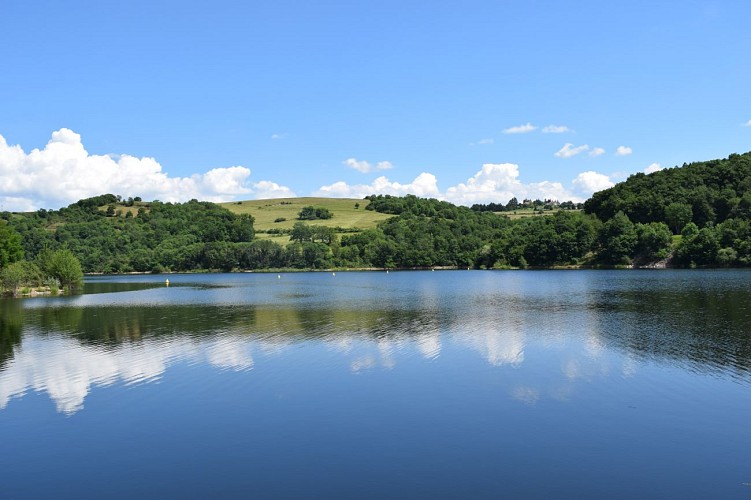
pixel 707 203
pixel 694 215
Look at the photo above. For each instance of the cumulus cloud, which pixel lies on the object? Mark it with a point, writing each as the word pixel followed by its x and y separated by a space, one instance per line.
pixel 365 167
pixel 64 172
pixel 654 167
pixel 425 185
pixel 590 182
pixel 555 129
pixel 500 181
pixel 623 151
pixel 597 152
pixel 568 150
pixel 264 190
pixel 494 182
pixel 520 129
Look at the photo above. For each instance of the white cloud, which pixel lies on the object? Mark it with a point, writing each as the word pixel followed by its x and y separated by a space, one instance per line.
pixel 520 129
pixel 226 180
pixel 264 190
pixel 365 167
pixel 276 137
pixel 623 151
pixel 494 182
pixel 424 185
pixel 747 124
pixel 590 182
pixel 64 172
pixel 568 150
pixel 555 129
pixel 482 142
pixel 654 167
pixel 500 182
pixel 597 152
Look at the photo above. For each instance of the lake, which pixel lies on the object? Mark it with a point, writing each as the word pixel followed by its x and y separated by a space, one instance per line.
pixel 446 384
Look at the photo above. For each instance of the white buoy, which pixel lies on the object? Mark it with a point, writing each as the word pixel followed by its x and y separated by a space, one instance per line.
pixel 333 274
pixel 278 276
pixel 166 282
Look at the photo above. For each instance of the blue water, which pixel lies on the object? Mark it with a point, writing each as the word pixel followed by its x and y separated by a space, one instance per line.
pixel 448 384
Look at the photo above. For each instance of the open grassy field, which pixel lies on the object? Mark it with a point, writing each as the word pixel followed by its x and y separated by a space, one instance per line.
pixel 265 212
pixel 528 212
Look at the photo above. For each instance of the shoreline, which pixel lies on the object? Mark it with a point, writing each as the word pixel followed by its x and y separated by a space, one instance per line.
pixel 624 267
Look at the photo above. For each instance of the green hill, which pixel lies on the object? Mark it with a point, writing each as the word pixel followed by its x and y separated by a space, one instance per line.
pixel 709 192
pixel 268 214
pixel 695 215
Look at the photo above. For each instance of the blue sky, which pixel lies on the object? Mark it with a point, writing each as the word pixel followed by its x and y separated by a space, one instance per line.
pixel 471 102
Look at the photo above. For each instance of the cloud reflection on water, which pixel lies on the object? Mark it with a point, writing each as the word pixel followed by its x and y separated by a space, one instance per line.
pixel 66 361
pixel 67 370
pixel 541 342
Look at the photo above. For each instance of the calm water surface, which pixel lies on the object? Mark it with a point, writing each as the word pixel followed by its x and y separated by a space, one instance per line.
pixel 454 384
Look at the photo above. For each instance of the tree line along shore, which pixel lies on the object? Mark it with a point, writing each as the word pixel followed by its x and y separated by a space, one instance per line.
pixel 695 215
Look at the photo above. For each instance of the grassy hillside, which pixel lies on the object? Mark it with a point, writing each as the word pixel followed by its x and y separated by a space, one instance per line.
pixel 265 212
pixel 528 212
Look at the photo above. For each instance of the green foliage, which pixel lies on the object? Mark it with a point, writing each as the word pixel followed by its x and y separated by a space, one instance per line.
pixel 618 239
pixel 712 189
pixel 700 247
pixel 11 248
pixel 536 205
pixel 20 274
pixel 173 236
pixel 13 276
pixel 708 203
pixel 220 255
pixel 301 232
pixel 66 268
pixel 261 254
pixel 313 213
pixel 727 257
pixel 677 215
pixel 653 240
pixel 561 239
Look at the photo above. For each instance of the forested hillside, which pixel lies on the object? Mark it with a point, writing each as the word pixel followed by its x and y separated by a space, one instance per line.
pixel 707 192
pixel 138 237
pixel 708 203
pixel 695 215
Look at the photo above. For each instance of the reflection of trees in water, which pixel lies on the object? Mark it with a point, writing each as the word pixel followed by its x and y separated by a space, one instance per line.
pixel 115 324
pixel 707 329
pixel 703 327
pixel 11 322
pixel 70 350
